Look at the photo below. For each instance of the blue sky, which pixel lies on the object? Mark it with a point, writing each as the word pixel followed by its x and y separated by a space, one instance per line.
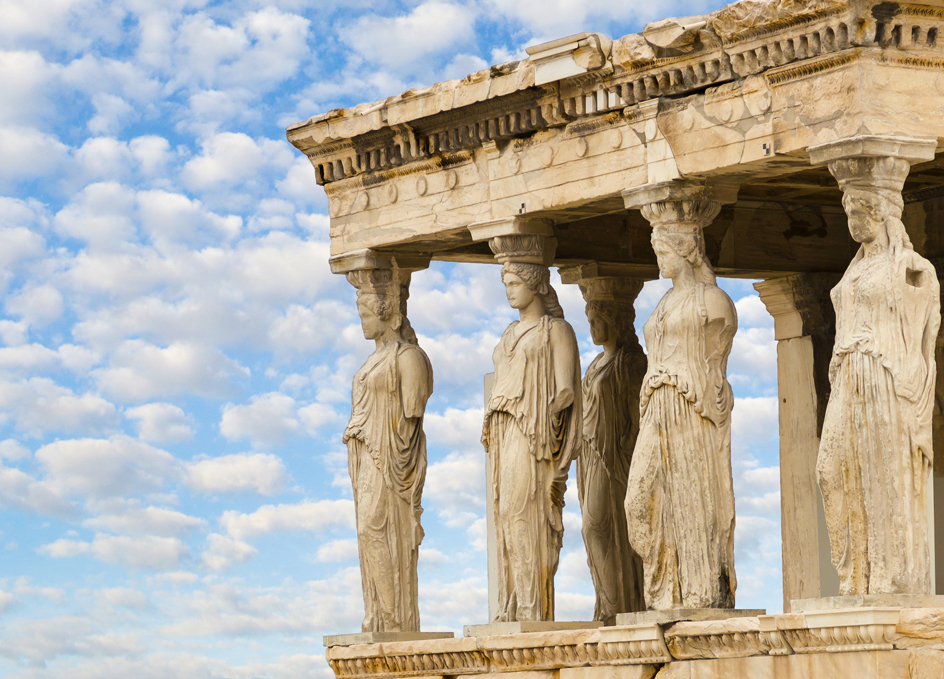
pixel 175 356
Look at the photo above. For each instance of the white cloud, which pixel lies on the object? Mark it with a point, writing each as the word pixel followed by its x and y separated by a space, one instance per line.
pixel 132 519
pixel 309 329
pixel 245 472
pixel 13 450
pixel 119 466
pixel 37 305
pixel 139 370
pixel 316 415
pixel 125 597
pixel 455 487
pixel 161 423
pixel 310 516
pixel 340 550
pixel 223 552
pixel 21 491
pixel 173 218
pixel 40 405
pixel 430 28
pixel 28 153
pixel 136 553
pixel 266 420
pixel 230 160
pixel 145 552
pixel 100 214
pixel 258 51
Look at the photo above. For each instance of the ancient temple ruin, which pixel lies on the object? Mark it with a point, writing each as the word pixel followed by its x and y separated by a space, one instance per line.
pixel 762 132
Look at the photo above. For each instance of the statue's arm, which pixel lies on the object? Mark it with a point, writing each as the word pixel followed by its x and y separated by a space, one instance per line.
pixel 566 366
pixel 416 380
pixel 720 326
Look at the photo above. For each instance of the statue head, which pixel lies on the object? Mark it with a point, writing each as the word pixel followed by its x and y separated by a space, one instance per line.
pixel 523 282
pixel 679 245
pixel 874 216
pixel 381 303
pixel 610 309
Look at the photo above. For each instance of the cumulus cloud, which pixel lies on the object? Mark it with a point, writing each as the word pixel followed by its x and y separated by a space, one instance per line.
pixel 134 519
pixel 145 552
pixel 266 420
pixel 309 516
pixel 428 29
pixel 223 552
pixel 100 215
pixel 40 405
pixel 261 473
pixel 341 550
pixel 161 423
pixel 98 468
pixel 139 370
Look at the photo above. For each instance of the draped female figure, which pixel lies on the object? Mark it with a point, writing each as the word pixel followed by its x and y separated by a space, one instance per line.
pixel 680 496
pixel 531 432
pixel 610 424
pixel 875 451
pixel 387 459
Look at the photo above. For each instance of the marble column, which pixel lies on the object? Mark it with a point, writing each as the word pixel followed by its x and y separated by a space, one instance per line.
pixel 804 327
pixel 611 387
pixel 533 422
pixel 876 447
pixel 385 441
pixel 680 496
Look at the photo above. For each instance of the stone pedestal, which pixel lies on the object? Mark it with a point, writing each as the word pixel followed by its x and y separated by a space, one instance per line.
pixel 361 638
pixel 674 615
pixel 526 626
pixel 863 643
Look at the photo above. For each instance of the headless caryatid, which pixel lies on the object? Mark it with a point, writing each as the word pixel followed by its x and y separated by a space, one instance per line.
pixel 532 432
pixel 875 453
pixel 610 424
pixel 680 496
pixel 387 452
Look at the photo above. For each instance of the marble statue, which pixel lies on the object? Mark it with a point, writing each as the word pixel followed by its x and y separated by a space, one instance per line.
pixel 875 453
pixel 610 424
pixel 680 497
pixel 387 452
pixel 532 432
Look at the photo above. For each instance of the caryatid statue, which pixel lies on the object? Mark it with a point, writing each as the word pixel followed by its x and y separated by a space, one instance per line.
pixel 387 451
pixel 532 431
pixel 875 453
pixel 610 424
pixel 680 495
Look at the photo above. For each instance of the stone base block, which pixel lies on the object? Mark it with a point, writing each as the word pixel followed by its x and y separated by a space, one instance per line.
pixel 679 614
pixel 496 628
pixel 382 637
pixel 830 603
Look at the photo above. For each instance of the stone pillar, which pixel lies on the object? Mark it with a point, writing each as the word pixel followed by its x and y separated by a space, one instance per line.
pixel 611 387
pixel 680 495
pixel 804 327
pixel 387 448
pixel 875 453
pixel 542 246
pixel 533 422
